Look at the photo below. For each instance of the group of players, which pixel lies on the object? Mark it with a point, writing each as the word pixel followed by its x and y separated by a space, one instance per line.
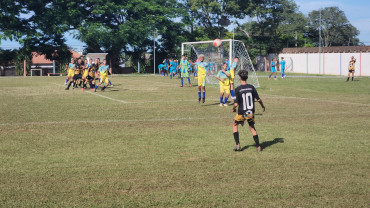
pixel 200 69
pixel 82 73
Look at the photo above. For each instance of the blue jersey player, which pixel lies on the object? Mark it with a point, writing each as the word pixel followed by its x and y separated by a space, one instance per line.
pixel 282 67
pixel 273 69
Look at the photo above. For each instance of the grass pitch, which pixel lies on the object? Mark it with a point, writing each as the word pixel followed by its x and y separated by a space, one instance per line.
pixel 146 142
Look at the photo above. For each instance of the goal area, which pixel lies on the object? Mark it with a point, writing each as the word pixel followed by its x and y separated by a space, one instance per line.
pixel 228 50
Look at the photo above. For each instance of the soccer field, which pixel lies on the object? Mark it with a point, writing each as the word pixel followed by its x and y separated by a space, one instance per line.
pixel 146 142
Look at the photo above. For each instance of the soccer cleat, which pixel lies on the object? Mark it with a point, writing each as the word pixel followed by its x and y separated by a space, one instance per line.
pixel 94 90
pixel 237 148
pixel 83 89
pixel 269 78
pixel 225 104
pixel 67 88
pixel 204 100
pixel 181 85
pixel 259 149
pixel 102 90
pixel 275 78
pixel 65 84
pixel 199 100
pixel 190 85
pixel 221 104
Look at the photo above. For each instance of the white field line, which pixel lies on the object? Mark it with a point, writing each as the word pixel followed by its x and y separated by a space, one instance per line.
pixel 106 97
pixel 175 119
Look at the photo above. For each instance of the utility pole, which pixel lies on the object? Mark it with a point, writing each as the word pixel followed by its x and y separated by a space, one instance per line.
pixel 320 43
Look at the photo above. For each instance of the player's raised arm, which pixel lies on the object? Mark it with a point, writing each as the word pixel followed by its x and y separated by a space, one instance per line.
pixel 225 72
pixel 219 78
pixel 192 63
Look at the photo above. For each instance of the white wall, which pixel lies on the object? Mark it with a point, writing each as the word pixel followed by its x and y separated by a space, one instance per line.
pixel 331 63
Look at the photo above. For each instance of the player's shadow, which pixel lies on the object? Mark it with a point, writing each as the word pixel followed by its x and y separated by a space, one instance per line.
pixel 265 144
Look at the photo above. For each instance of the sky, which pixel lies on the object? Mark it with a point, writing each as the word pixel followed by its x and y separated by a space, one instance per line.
pixel 356 11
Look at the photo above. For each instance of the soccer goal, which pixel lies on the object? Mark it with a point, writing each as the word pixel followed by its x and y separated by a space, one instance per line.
pixel 218 55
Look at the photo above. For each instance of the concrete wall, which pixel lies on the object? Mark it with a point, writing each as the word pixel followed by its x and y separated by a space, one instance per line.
pixel 331 63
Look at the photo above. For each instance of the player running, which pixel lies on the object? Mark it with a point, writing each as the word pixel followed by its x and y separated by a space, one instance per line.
pixel 70 67
pixel 76 75
pixel 282 68
pixel 223 76
pixel 103 71
pixel 245 96
pixel 172 68
pixel 351 68
pixel 184 70
pixel 85 73
pixel 90 74
pixel 232 76
pixel 273 69
pixel 203 70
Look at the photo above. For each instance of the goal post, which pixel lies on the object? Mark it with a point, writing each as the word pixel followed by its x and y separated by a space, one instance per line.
pixel 229 49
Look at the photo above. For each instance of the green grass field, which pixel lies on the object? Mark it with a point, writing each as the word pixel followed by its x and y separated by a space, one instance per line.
pixel 146 142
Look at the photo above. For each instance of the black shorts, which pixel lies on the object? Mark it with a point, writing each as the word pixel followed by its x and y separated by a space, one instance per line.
pixel 239 119
pixel 350 71
pixel 89 78
pixel 76 77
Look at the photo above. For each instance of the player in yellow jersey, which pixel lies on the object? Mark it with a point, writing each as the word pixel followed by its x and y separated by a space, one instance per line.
pixel 109 72
pixel 103 71
pixel 84 73
pixel 92 71
pixel 69 68
pixel 203 70
pixel 351 68
pixel 223 76
pixel 77 73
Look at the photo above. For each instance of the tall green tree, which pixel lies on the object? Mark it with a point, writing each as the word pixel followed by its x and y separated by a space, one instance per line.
pixel 215 15
pixel 276 24
pixel 117 26
pixel 335 27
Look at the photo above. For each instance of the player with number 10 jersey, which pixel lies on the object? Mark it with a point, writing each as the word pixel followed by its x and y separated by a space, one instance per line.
pixel 245 95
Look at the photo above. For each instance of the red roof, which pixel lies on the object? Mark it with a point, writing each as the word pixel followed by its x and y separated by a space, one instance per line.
pixel 41 59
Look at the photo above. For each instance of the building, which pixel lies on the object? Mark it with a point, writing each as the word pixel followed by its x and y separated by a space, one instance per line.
pixel 330 60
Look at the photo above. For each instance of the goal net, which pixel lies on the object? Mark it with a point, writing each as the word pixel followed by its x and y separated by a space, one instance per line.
pixel 217 56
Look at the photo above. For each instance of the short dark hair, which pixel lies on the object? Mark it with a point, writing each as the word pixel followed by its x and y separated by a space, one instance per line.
pixel 243 74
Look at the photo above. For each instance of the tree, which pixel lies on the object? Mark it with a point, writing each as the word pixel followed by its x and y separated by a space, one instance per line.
pixel 214 15
pixel 116 26
pixel 276 24
pixel 336 29
pixel 38 25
